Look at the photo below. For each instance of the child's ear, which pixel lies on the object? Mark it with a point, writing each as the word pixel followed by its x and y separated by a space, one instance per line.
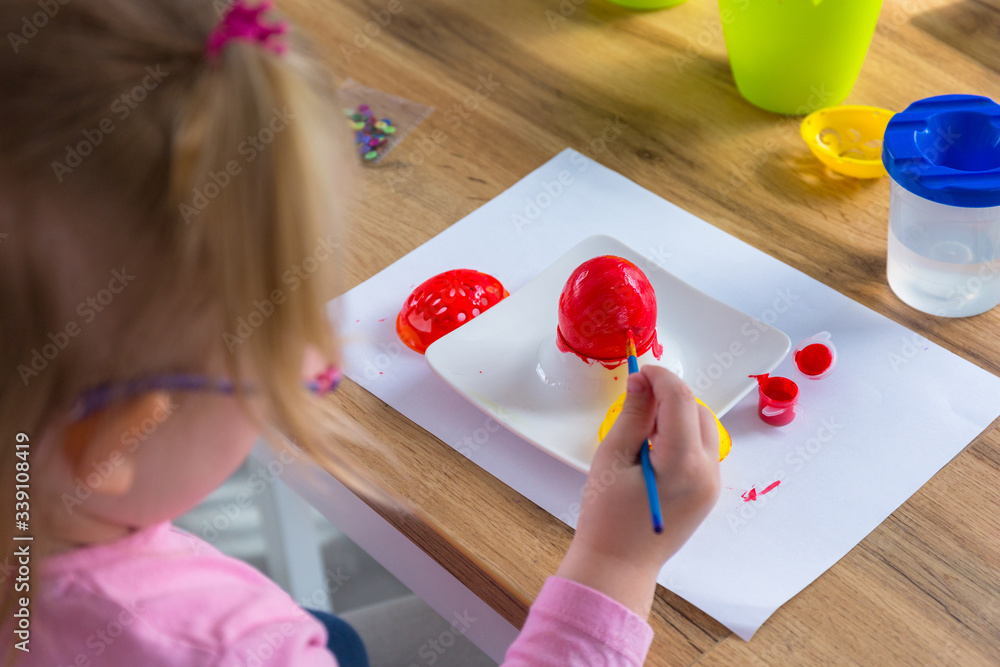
pixel 100 448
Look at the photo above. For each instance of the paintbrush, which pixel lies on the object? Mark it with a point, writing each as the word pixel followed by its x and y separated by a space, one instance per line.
pixel 647 466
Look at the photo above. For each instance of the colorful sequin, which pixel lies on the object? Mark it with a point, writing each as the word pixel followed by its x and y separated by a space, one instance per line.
pixel 371 136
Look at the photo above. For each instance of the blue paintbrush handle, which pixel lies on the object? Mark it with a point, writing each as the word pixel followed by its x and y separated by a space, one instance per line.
pixel 647 466
pixel 651 493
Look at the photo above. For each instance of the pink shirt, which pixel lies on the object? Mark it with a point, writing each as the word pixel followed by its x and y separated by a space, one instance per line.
pixel 164 598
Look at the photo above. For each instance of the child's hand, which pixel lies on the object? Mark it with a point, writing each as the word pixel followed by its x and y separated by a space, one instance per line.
pixel 615 549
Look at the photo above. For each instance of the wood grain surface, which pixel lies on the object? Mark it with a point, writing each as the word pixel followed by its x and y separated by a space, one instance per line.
pixel 650 95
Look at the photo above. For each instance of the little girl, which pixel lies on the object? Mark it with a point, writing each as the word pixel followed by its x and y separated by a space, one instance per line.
pixel 162 167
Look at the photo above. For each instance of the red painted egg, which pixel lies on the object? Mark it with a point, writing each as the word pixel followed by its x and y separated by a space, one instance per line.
pixel 602 301
pixel 444 303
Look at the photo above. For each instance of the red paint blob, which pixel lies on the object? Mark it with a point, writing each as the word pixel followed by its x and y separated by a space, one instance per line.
pixel 444 303
pixel 604 299
pixel 814 359
pixel 781 390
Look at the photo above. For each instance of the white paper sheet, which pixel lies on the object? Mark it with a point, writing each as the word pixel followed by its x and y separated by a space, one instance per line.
pixel 895 411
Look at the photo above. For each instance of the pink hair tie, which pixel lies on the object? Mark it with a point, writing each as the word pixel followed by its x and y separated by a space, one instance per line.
pixel 243 22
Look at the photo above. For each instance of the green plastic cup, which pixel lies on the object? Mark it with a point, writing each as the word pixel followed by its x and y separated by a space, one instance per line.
pixel 647 4
pixel 796 56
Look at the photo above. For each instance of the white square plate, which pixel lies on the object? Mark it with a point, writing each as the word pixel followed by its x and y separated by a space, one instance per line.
pixel 505 361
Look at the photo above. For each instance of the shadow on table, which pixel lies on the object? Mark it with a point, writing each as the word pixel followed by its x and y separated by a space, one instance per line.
pixel 799 174
pixel 971 27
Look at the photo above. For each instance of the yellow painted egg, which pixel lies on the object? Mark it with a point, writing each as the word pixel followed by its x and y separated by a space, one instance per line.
pixel 725 441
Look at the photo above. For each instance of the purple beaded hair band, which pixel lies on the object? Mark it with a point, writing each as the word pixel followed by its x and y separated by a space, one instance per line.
pixel 98 398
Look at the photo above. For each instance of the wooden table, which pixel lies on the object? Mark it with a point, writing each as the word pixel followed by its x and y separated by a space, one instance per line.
pixel 651 96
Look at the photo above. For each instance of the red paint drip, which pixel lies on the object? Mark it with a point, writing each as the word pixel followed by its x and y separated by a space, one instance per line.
pixel 604 299
pixel 752 494
pixel 814 359
pixel 382 320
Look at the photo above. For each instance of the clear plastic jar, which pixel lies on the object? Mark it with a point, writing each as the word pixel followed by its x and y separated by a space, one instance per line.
pixel 943 155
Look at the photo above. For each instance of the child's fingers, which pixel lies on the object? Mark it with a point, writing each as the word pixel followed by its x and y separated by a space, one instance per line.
pixel 709 431
pixel 678 421
pixel 636 420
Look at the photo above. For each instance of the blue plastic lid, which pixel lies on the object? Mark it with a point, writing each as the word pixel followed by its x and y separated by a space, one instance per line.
pixel 947 149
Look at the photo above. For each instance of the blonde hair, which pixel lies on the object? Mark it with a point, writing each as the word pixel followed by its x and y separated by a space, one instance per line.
pixel 209 180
